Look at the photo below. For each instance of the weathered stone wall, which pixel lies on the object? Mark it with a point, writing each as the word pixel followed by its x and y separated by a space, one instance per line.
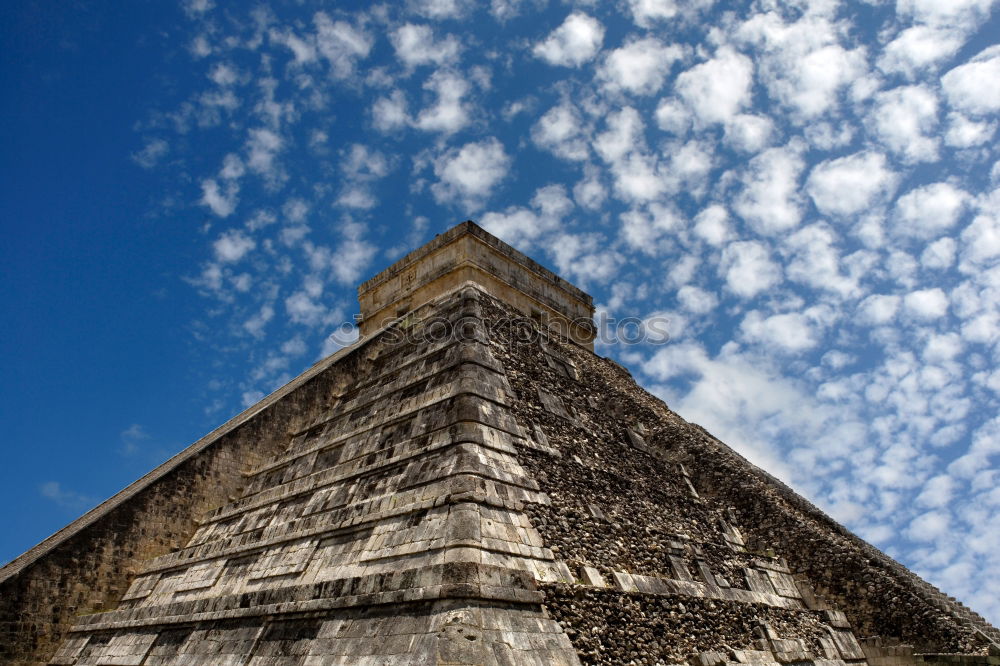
pixel 87 566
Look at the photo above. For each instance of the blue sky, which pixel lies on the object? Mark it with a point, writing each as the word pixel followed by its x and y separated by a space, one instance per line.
pixel 808 190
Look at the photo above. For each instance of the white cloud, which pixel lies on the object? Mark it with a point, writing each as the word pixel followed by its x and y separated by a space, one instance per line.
pixel 953 13
pixel 638 177
pixel 470 174
pixel 791 332
pixel 927 211
pixel 232 167
pixel 904 119
pixel 350 260
pixel 303 50
pixel 360 162
pixel 200 47
pixel 449 113
pixel 255 324
pixel 584 257
pixel 970 88
pixel 65 497
pixel 852 184
pixel 415 45
pixel 966 133
pixel 624 135
pixel 929 526
pixel 749 133
pixel 717 90
pixel 132 439
pixel 441 9
pixel 829 135
pixel 551 201
pixel 981 239
pixel 341 44
pixel 224 75
pixel 942 348
pixel 195 8
pixel 918 48
pixel 151 153
pixel 573 43
pixel 222 203
pixel 295 210
pixel 802 64
pixel 521 227
pixel 696 300
pixel 263 145
pixel 645 12
pixel 232 246
pixel 712 225
pixel 816 261
pixel 389 113
pixel 643 229
pixel 748 268
pixel 356 196
pixel 940 254
pixel 672 116
pixel 590 192
pixel 516 225
pixel 250 398
pixel 985 443
pixel 926 304
pixel 559 131
pixel 503 10
pixel 640 67
pixel 689 166
pixel 770 201
pixel 902 267
pixel 937 492
pixel 302 309
pixel 295 346
pixel 878 309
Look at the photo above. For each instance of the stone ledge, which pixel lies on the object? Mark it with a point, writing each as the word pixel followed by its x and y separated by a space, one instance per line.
pixel 451 580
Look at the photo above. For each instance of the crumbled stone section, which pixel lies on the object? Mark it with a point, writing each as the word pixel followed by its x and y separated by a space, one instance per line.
pixel 638 493
pixel 612 627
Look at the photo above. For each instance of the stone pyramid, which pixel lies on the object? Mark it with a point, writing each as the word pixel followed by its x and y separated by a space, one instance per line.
pixel 469 484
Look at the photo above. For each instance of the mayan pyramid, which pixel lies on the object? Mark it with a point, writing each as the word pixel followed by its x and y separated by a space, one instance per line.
pixel 468 484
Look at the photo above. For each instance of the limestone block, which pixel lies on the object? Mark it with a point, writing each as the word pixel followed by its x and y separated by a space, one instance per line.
pixel 624 582
pixel 591 576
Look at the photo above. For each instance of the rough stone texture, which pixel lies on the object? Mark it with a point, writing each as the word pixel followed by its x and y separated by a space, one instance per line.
pixel 465 487
pixel 667 492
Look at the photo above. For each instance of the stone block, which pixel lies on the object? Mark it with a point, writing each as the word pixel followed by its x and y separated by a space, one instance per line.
pixel 591 576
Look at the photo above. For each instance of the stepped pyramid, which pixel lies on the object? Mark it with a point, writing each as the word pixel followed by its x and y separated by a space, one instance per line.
pixel 469 484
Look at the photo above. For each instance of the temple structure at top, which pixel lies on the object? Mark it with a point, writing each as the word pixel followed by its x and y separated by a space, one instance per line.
pixel 468 253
